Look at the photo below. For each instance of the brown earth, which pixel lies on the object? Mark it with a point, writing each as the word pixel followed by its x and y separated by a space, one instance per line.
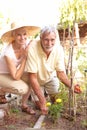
pixel 15 119
pixel 18 120
pixel 69 118
pixel 67 122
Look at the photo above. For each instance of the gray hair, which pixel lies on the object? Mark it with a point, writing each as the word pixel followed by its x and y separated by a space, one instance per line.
pixel 48 29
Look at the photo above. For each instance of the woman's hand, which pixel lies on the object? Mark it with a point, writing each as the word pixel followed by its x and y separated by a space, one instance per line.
pixel 25 53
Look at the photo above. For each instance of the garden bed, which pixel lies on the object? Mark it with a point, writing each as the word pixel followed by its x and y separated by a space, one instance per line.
pixel 66 122
pixel 18 120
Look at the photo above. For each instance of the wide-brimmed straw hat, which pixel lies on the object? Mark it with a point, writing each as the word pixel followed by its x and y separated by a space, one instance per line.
pixel 30 30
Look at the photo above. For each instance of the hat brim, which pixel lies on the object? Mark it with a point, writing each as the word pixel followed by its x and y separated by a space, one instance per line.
pixel 31 31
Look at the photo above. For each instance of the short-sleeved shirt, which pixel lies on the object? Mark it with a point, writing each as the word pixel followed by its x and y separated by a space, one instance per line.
pixel 45 68
pixel 8 51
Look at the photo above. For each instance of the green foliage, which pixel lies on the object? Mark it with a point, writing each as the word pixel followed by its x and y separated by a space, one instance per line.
pixel 63 93
pixel 72 11
pixel 84 123
pixel 36 35
pixel 11 127
pixel 55 109
pixel 82 60
pixel 14 110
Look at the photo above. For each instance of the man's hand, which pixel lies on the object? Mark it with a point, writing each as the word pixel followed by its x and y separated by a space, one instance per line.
pixel 77 89
pixel 44 110
pixel 42 106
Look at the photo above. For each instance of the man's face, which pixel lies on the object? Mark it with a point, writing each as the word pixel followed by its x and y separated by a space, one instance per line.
pixel 48 42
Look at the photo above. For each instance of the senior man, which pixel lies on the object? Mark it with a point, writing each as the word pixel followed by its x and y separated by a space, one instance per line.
pixel 45 64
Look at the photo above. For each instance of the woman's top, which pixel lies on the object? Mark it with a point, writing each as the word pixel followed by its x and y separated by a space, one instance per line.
pixel 8 51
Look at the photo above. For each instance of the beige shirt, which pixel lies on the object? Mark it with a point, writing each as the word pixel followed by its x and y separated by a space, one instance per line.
pixel 37 62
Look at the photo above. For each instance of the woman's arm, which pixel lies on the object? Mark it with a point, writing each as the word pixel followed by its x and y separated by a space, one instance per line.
pixel 15 73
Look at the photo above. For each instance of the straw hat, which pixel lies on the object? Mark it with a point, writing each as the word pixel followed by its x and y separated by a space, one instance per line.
pixel 31 31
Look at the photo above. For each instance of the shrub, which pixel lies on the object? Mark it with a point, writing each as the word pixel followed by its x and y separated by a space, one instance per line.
pixel 55 109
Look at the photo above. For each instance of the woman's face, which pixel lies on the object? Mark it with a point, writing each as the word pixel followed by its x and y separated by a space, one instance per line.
pixel 20 36
pixel 48 42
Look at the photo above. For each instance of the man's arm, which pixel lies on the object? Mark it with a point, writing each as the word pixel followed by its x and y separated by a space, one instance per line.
pixel 36 88
pixel 64 79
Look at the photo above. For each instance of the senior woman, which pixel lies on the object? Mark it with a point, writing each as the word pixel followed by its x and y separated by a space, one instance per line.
pixel 13 78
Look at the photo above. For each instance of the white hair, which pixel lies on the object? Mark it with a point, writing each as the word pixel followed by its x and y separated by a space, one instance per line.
pixel 49 29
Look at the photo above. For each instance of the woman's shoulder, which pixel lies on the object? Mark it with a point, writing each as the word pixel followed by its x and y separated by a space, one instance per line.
pixel 8 46
pixel 8 50
pixel 5 48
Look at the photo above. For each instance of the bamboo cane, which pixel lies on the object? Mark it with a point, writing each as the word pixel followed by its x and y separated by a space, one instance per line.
pixel 72 96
